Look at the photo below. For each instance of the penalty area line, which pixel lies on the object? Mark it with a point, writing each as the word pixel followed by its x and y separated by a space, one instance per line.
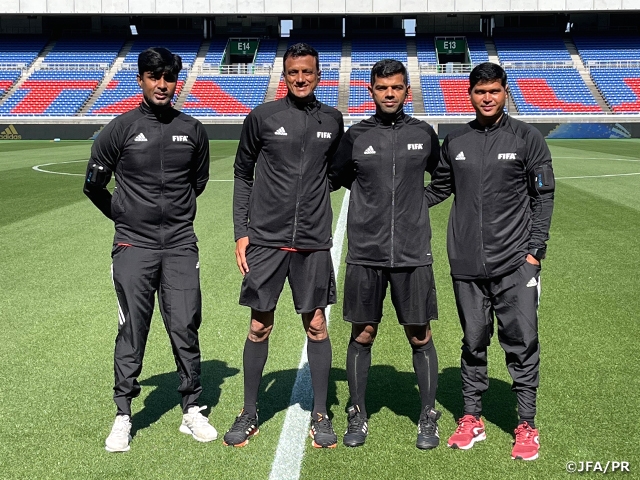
pixel 290 451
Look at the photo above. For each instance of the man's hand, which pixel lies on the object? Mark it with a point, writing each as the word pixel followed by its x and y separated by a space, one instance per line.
pixel 530 259
pixel 241 258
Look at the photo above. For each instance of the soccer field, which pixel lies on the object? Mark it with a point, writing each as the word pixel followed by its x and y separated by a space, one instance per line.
pixel 58 313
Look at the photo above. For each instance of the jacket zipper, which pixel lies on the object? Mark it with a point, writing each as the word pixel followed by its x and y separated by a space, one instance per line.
pixel 484 151
pixel 393 191
pixel 162 179
pixel 295 218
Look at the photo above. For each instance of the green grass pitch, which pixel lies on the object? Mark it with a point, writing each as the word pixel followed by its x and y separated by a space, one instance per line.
pixel 58 318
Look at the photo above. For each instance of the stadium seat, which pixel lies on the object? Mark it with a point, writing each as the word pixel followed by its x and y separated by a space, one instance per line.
pixel 559 90
pixel 219 95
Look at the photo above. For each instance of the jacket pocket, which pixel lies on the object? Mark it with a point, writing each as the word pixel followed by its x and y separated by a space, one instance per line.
pixel 117 201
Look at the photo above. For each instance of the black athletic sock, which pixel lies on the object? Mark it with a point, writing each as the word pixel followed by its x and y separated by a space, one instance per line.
pixel 319 355
pixel 254 359
pixel 530 421
pixel 425 364
pixel 358 364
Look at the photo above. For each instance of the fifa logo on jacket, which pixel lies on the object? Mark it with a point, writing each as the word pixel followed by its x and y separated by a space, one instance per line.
pixel 180 138
pixel 414 146
pixel 506 156
pixel 323 134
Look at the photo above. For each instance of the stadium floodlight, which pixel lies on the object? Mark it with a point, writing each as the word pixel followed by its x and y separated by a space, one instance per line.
pixel 134 29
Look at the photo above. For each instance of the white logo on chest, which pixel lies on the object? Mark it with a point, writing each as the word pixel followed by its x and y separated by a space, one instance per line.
pixel 180 138
pixel 414 146
pixel 506 156
pixel 323 134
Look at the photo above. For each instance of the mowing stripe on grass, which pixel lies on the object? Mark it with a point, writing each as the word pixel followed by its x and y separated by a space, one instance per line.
pixel 291 445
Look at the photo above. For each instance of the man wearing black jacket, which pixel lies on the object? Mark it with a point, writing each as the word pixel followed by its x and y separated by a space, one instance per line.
pixel 382 161
pixel 282 221
pixel 499 170
pixel 160 160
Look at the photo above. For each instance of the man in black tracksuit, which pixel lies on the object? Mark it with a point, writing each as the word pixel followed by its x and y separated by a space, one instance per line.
pixel 160 159
pixel 282 220
pixel 499 170
pixel 382 160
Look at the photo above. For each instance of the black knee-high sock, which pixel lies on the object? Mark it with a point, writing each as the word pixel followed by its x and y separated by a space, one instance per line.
pixel 254 359
pixel 425 364
pixel 319 355
pixel 358 364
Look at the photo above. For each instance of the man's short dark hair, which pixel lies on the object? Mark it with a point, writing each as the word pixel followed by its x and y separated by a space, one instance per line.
pixel 159 60
pixel 388 68
pixel 487 72
pixel 301 50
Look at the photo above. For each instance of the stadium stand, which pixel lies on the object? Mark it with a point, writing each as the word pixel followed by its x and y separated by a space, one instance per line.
pixel 215 55
pixel 7 79
pixel 477 50
pixel 620 88
pixel 531 49
pixel 559 90
pixel 219 95
pixel 52 92
pixel 329 50
pixel 84 51
pixel 367 51
pixel 123 93
pixel 360 102
pixel 446 94
pixel 186 47
pixel 266 53
pixel 19 50
pixel 426 50
pixel 607 48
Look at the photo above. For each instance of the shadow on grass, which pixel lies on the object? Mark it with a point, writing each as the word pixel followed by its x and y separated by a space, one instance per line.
pixel 166 396
pixel 499 404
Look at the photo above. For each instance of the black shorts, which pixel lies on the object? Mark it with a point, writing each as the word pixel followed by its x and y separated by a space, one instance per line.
pixel 413 293
pixel 310 276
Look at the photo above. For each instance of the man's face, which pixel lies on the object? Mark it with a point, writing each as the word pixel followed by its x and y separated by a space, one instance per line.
pixel 488 100
pixel 301 75
pixel 157 90
pixel 389 93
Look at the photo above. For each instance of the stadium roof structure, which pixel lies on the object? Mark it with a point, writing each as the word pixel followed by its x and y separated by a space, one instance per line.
pixel 289 7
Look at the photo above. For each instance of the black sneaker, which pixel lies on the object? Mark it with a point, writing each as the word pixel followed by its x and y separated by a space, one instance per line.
pixel 244 427
pixel 322 432
pixel 428 429
pixel 358 428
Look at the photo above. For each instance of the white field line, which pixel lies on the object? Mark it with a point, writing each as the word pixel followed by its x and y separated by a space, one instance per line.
pixel 288 458
pixel 599 176
pixel 38 168
pixel 598 158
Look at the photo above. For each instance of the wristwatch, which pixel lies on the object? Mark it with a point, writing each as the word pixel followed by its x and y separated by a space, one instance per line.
pixel 538 253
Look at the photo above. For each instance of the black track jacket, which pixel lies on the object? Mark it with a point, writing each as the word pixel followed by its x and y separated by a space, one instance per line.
pixel 383 160
pixel 281 193
pixel 496 217
pixel 161 163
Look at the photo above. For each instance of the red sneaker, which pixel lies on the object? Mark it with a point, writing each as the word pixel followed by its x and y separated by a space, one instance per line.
pixel 470 430
pixel 527 443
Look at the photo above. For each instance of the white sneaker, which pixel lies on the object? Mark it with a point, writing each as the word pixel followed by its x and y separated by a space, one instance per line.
pixel 119 438
pixel 197 425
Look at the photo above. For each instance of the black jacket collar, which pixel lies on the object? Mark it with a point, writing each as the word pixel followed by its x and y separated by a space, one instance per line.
pixel 389 119
pixel 163 115
pixel 500 123
pixel 310 106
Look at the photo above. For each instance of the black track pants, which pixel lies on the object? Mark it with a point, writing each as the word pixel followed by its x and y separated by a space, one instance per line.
pixel 513 299
pixel 138 273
